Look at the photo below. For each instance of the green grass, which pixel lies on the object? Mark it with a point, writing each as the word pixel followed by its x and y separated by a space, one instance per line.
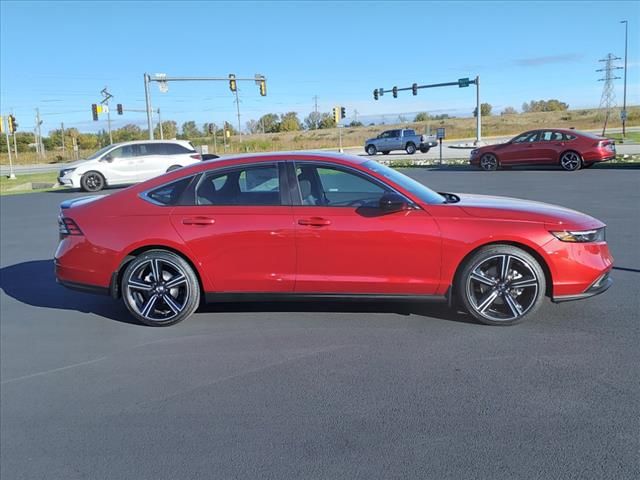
pixel 629 137
pixel 6 185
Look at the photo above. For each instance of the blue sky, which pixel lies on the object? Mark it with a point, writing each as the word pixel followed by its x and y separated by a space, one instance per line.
pixel 57 56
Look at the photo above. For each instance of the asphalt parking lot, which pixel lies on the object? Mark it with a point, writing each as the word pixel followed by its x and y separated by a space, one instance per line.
pixel 323 390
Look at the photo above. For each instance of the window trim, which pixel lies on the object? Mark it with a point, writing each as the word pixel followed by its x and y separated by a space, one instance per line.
pixel 297 195
pixel 145 194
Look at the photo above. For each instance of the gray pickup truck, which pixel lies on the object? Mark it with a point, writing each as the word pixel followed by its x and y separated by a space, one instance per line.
pixel 404 139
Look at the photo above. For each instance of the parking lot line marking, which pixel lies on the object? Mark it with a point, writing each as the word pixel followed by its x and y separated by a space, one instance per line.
pixel 25 377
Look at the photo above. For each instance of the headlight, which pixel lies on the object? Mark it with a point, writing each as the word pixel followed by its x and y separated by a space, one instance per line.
pixel 64 171
pixel 580 236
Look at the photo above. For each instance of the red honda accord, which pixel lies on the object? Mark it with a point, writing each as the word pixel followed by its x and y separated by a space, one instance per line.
pixel 569 149
pixel 323 226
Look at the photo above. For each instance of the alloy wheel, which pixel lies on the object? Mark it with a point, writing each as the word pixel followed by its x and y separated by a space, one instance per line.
pixel 93 182
pixel 570 161
pixel 157 290
pixel 502 288
pixel 489 162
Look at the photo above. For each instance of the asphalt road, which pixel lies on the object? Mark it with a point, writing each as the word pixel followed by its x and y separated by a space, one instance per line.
pixel 323 390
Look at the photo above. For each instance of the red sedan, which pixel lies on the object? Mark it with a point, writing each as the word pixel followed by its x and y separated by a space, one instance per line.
pixel 323 226
pixel 570 149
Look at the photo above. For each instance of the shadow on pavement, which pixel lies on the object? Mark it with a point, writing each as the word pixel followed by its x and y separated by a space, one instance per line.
pixel 33 283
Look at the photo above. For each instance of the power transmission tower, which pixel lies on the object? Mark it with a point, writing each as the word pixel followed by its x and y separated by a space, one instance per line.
pixel 608 99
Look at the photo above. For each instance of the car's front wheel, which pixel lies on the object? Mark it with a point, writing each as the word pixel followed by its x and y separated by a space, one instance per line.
pixel 489 162
pixel 92 182
pixel 160 288
pixel 501 285
pixel 371 150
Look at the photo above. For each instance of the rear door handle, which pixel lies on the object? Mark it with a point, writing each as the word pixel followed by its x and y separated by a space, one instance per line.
pixel 315 221
pixel 198 221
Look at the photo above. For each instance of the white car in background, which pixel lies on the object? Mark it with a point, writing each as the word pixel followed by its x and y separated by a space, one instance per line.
pixel 128 162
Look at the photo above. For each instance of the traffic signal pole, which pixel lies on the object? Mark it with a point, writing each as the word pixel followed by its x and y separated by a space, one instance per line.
pixel 462 82
pixel 163 79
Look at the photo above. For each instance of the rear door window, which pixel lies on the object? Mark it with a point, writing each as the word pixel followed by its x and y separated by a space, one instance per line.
pixel 257 185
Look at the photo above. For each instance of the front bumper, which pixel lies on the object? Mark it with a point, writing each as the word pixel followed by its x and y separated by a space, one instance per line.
pixel 66 181
pixel 601 285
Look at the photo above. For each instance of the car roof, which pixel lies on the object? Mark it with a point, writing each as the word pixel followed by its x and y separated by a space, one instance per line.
pixel 137 142
pixel 293 155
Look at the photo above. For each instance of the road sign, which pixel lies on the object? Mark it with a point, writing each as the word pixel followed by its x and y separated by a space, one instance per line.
pixel 463 82
pixel 623 115
pixel 440 133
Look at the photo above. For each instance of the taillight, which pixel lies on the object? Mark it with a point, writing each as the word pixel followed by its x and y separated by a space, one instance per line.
pixel 197 156
pixel 67 226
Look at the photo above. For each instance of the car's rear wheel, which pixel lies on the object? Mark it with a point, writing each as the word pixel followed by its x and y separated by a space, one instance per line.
pixel 160 288
pixel 173 167
pixel 371 150
pixel 571 161
pixel 424 150
pixel 410 148
pixel 501 285
pixel 92 182
pixel 489 162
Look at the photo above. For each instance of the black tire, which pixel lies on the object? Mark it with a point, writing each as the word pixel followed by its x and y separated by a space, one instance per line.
pixel 173 167
pixel 410 148
pixel 371 150
pixel 160 303
pixel 92 181
pixel 489 162
pixel 386 152
pixel 425 150
pixel 494 297
pixel 571 161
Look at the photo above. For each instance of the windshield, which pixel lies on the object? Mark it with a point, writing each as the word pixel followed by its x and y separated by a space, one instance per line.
pixel 409 184
pixel 100 152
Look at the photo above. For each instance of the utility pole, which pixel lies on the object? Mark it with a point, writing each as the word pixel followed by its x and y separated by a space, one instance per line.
pixel 105 101
pixel 39 142
pixel 12 175
pixel 147 97
pixel 315 99
pixel 608 99
pixel 479 115
pixel 215 134
pixel 62 136
pixel 160 125
pixel 355 115
pixel 623 114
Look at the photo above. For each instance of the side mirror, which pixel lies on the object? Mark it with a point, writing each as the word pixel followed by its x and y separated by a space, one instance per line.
pixel 392 202
pixel 107 158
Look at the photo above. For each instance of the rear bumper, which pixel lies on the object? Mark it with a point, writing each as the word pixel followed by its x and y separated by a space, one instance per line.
pixel 601 285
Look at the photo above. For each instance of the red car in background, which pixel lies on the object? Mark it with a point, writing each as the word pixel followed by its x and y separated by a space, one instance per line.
pixel 570 149
pixel 323 226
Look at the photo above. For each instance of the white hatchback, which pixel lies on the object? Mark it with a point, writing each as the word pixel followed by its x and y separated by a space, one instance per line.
pixel 127 163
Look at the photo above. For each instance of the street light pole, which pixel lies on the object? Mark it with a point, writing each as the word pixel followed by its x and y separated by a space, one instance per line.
pixel 624 98
pixel 478 111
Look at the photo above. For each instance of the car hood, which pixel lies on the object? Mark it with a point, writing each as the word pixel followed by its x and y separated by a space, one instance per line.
pixel 506 208
pixel 77 163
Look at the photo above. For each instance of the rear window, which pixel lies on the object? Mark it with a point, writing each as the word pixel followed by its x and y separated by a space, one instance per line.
pixel 169 194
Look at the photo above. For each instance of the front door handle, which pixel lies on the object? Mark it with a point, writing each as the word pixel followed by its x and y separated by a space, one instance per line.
pixel 198 221
pixel 315 221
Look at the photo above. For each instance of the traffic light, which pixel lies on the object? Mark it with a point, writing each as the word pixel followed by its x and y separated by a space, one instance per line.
pixel 119 108
pixel 381 92
pixel 395 92
pixel 94 112
pixel 343 112
pixel 336 115
pixel 375 94
pixel 414 88
pixel 12 124
pixel 263 87
pixel 232 82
